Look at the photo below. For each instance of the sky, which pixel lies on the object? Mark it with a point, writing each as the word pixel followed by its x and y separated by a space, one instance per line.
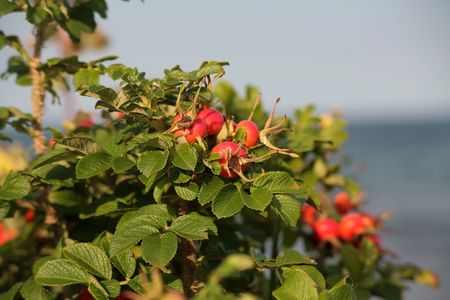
pixel 376 60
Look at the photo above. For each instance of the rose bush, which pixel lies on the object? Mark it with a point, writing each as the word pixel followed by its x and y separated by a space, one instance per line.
pixel 184 190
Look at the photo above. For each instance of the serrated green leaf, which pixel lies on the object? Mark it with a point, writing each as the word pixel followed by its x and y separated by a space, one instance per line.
pixel 112 287
pixel 133 230
pixel 125 263
pixel 93 164
pixel 314 274
pixel 159 249
pixel 228 202
pixel 30 290
pixel 210 189
pixel 259 199
pixel 107 140
pixel 14 187
pixel 277 182
pixel 53 155
pixel 4 209
pixel 151 162
pixel 60 272
pixel 187 192
pixel 85 78
pixel 296 285
pixel 91 258
pixel 343 291
pixel 159 214
pixel 184 157
pixel 193 226
pixel 293 257
pixel 83 144
pixel 287 208
pixel 121 164
pixel 97 290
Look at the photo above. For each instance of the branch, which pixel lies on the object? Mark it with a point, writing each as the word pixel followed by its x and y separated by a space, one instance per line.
pixel 37 90
pixel 189 255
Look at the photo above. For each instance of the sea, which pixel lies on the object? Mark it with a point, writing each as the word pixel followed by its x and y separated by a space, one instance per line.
pixel 404 168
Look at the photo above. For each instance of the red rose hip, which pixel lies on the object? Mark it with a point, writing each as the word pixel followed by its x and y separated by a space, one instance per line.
pixel 197 129
pixel 251 132
pixel 343 203
pixel 326 230
pixel 213 120
pixel 230 155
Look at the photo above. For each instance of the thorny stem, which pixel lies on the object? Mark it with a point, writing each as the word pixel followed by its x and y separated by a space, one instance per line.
pixel 189 256
pixel 37 91
pixel 275 240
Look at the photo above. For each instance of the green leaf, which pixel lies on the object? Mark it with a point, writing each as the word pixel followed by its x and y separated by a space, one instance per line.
pixel 158 213
pixel 125 263
pixel 121 164
pixel 228 202
pixel 112 287
pixel 314 274
pixel 151 162
pixel 107 140
pixel 14 187
pixel 160 187
pixel 134 230
pixel 184 157
pixel 159 249
pixel 259 199
pixel 188 191
pixel 193 226
pixel 53 155
pixel 287 208
pixel 60 272
pixel 91 258
pixel 277 182
pixel 4 209
pixel 292 257
pixel 351 261
pixel 85 78
pixel 32 291
pixel 81 144
pixel 97 290
pixel 93 164
pixel 210 189
pixel 66 197
pixel 343 291
pixel 296 285
pixel 7 7
pixel 11 293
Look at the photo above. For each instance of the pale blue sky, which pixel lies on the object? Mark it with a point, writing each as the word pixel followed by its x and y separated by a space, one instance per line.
pixel 374 59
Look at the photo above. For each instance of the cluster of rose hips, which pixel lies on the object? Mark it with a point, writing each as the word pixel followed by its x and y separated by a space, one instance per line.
pixel 209 122
pixel 350 227
pixel 233 158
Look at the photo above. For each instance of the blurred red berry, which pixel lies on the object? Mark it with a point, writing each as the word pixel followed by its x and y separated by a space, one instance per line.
pixel 309 214
pixel 350 226
pixel 88 123
pixel 29 215
pixel 343 203
pixel 326 230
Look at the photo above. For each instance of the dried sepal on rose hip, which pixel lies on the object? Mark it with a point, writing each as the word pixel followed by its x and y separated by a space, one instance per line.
pixel 231 163
pixel 267 131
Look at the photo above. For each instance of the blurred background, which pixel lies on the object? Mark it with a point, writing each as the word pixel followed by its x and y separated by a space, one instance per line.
pixel 384 64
